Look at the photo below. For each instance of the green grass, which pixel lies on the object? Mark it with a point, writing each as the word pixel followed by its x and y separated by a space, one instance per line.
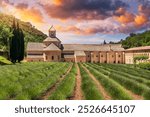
pixel 136 84
pixel 89 88
pixel 113 88
pixel 66 87
pixel 4 61
pixel 108 71
pixel 29 80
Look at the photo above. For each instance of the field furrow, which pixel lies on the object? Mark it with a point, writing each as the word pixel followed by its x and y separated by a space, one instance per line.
pixel 115 90
pixel 98 84
pixel 72 81
pixel 66 88
pixel 78 94
pixel 89 88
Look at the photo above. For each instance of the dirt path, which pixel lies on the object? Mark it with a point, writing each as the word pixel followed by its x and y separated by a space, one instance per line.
pixel 47 94
pixel 134 96
pixel 78 95
pixel 99 85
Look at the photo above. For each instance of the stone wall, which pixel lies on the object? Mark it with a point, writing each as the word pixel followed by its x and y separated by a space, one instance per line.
pixel 52 56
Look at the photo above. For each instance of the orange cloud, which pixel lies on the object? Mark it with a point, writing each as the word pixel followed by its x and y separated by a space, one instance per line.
pixel 138 20
pixel 141 20
pixel 57 2
pixel 69 29
pixel 30 14
pixel 23 12
pixel 124 17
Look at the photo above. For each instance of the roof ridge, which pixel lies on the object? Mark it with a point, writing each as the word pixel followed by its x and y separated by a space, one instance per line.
pixel 52 46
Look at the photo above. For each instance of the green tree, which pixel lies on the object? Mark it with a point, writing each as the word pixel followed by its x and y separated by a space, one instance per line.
pixel 5 35
pixel 17 43
pixel 138 58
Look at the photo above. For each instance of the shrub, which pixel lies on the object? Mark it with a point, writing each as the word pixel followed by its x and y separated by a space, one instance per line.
pixel 144 66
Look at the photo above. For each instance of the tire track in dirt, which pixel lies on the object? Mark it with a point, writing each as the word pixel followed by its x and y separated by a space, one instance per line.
pixel 99 85
pixel 78 95
pixel 49 91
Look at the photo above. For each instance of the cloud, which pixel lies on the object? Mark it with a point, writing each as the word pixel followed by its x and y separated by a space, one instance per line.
pixel 82 9
pixel 132 22
pixel 22 11
pixel 124 16
pixel 91 27
pixel 83 16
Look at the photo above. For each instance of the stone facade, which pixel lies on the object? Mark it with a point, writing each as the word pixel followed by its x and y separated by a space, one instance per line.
pixel 51 50
pixel 138 51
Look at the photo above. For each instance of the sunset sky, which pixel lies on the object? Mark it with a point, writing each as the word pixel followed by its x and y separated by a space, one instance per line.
pixel 83 21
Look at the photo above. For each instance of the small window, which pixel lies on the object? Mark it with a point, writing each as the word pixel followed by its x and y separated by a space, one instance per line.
pixel 97 56
pixel 118 61
pixel 52 57
pixel 101 55
pixel 114 61
pixel 105 62
pixel 88 56
pixel 112 56
pixel 119 56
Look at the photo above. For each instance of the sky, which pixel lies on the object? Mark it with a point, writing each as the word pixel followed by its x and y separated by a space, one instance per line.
pixel 83 21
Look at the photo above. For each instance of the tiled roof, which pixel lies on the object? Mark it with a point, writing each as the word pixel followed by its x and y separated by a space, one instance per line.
pixel 33 46
pixel 52 47
pixel 92 47
pixel 80 53
pixel 49 39
pixel 68 56
pixel 34 56
pixel 139 48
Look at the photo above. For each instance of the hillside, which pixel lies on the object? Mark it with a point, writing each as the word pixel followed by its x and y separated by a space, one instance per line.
pixel 31 33
pixel 136 40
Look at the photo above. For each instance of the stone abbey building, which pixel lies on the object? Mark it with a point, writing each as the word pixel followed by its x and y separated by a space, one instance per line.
pixel 51 50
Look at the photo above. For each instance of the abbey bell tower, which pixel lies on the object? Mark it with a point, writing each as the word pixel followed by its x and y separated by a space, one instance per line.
pixel 52 32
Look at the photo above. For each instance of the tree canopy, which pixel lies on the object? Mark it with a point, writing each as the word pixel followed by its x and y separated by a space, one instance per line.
pixel 136 40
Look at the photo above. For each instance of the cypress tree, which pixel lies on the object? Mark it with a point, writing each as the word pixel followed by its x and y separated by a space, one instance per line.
pixel 21 54
pixel 17 43
pixel 13 48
